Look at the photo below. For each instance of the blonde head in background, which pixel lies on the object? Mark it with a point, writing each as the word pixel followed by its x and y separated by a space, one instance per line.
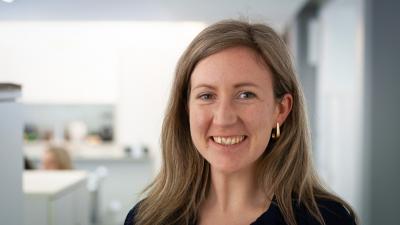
pixel 56 158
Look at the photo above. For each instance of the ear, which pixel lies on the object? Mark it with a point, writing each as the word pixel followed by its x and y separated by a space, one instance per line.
pixel 283 108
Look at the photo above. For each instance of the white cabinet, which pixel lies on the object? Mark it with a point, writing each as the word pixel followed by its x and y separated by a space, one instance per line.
pixel 55 198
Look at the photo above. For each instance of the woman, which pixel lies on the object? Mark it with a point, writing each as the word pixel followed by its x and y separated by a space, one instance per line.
pixel 56 158
pixel 235 139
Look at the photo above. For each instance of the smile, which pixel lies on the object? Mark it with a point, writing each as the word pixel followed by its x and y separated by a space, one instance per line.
pixel 228 140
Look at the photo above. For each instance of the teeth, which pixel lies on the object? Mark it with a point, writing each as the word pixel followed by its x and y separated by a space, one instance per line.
pixel 228 140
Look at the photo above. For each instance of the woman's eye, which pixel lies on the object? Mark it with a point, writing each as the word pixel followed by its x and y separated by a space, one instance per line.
pixel 246 95
pixel 205 96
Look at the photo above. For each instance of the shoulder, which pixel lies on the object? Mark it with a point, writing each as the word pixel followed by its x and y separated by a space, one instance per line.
pixel 130 218
pixel 334 213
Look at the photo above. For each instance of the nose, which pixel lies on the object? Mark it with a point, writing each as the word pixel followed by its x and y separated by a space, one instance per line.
pixel 225 113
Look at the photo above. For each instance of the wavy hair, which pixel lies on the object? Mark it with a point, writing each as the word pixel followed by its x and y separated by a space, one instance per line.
pixel 285 167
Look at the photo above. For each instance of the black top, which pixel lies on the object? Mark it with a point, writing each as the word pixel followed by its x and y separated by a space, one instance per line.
pixel 332 212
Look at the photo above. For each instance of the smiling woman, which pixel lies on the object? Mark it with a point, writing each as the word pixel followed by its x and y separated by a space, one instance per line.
pixel 229 126
pixel 235 139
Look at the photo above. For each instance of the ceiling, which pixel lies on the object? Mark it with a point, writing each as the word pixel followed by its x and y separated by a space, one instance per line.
pixel 275 12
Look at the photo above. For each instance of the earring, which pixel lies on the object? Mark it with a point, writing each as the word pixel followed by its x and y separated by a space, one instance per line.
pixel 277 134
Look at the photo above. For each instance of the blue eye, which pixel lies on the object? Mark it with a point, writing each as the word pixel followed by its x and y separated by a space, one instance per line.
pixel 246 95
pixel 205 96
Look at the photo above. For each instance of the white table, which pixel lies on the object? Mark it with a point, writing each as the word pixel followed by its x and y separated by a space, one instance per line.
pixel 55 198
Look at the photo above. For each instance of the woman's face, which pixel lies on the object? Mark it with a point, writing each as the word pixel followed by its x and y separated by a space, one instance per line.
pixel 49 161
pixel 232 108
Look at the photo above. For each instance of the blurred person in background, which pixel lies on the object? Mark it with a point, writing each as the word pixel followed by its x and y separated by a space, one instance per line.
pixel 235 140
pixel 28 165
pixel 56 158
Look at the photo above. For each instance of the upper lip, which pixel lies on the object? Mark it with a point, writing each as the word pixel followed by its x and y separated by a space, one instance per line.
pixel 232 135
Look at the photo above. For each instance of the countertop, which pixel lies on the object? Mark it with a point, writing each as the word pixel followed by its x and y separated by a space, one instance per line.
pixel 86 152
pixel 51 183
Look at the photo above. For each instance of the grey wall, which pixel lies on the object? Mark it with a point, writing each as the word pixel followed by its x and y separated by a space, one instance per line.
pixel 10 163
pixel 382 107
pixel 339 99
pixel 306 69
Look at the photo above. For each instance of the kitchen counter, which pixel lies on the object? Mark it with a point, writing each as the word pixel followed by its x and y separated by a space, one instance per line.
pixel 85 152
pixel 51 183
pixel 123 177
pixel 56 198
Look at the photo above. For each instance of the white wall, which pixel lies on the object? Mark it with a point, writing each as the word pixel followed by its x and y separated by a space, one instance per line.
pixel 128 64
pixel 60 62
pixel 339 102
pixel 146 71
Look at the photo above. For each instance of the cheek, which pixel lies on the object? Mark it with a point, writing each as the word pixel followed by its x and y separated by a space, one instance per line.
pixel 199 120
pixel 259 121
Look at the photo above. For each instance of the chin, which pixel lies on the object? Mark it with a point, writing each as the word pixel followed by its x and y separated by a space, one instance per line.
pixel 227 167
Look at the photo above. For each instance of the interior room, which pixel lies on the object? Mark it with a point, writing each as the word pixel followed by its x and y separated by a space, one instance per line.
pixel 93 79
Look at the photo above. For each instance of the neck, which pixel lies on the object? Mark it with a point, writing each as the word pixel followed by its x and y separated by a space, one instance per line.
pixel 231 192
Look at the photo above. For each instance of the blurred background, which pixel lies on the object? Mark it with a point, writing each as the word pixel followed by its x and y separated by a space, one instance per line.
pixel 84 86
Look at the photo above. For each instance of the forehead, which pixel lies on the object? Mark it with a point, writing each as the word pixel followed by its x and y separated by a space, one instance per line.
pixel 231 66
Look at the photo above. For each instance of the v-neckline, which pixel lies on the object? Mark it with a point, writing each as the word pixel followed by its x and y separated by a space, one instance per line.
pixel 273 209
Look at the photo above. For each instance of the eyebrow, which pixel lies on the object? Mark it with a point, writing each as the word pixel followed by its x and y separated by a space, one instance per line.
pixel 248 84
pixel 239 85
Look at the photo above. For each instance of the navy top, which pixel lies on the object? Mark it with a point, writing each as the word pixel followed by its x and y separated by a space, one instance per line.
pixel 332 212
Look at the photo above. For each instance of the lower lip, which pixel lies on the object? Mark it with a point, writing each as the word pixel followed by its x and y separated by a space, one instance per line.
pixel 227 147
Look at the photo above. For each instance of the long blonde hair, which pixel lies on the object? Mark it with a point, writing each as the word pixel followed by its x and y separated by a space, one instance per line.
pixel 285 167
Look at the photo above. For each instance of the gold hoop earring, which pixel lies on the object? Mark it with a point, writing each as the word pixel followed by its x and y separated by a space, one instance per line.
pixel 277 133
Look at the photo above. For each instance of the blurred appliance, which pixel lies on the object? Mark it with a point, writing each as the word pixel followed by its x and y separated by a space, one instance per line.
pixel 77 131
